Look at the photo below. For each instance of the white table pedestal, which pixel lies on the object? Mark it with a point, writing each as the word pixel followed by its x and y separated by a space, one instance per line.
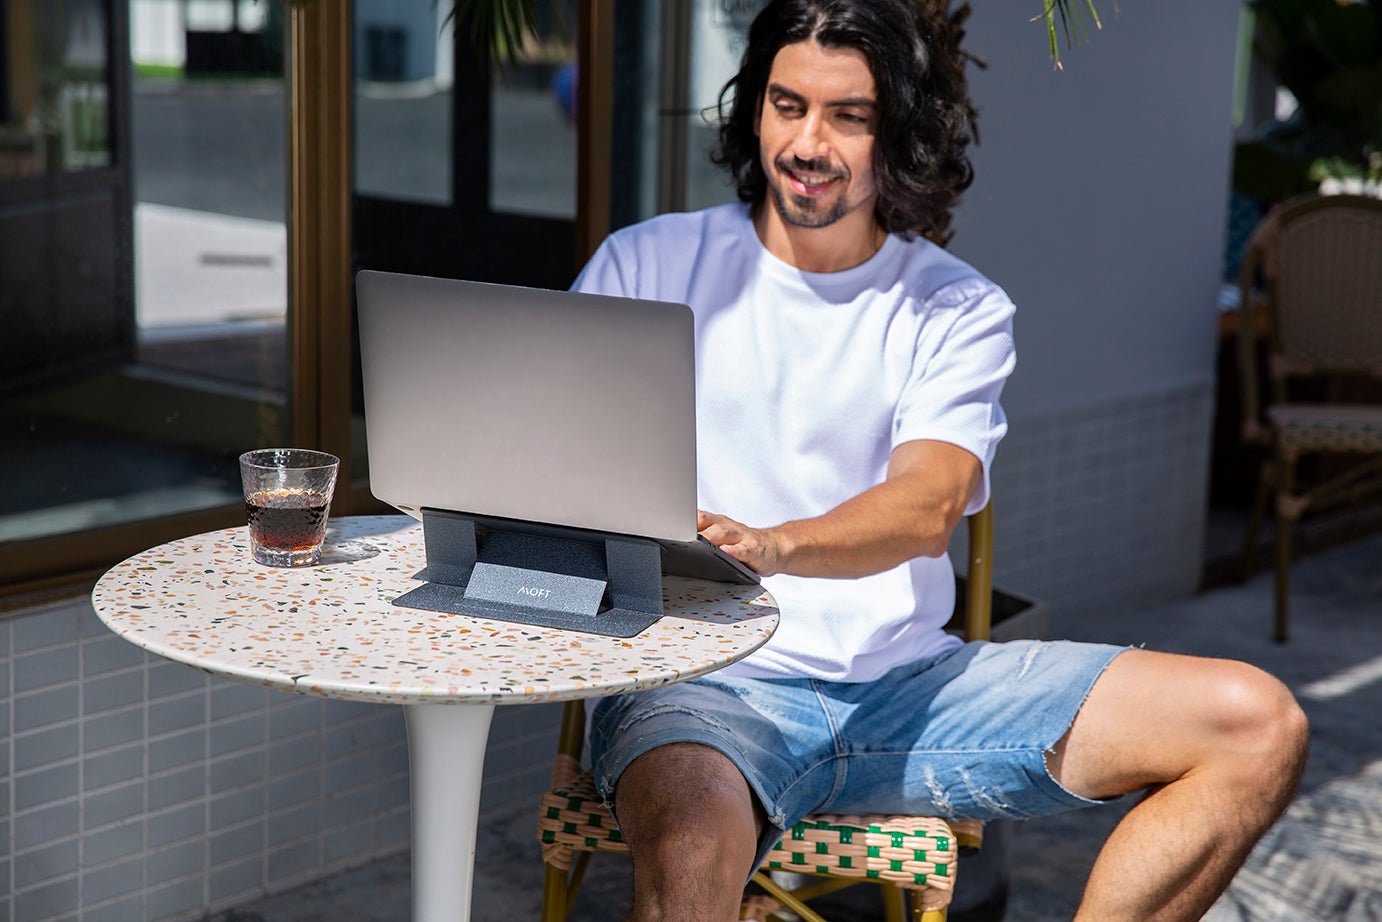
pixel 446 756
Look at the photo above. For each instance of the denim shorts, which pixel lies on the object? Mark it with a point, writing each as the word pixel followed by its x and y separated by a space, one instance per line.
pixel 962 735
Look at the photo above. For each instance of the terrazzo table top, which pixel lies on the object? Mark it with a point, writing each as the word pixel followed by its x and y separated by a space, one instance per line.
pixel 331 630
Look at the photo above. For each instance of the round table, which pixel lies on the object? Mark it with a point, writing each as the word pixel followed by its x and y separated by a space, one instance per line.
pixel 331 630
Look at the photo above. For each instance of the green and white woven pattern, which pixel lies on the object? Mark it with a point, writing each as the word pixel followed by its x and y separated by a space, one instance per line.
pixel 906 850
pixel 916 852
pixel 1327 427
pixel 574 818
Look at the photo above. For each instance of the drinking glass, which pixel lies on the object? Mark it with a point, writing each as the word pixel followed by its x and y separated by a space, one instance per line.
pixel 287 495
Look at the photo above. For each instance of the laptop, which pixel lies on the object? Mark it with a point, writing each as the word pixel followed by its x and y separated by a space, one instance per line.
pixel 535 412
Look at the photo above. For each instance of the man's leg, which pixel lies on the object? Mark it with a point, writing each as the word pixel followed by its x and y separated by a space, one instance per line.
pixel 1220 744
pixel 692 825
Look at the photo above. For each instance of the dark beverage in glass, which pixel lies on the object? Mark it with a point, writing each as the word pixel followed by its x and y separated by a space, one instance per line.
pixel 287 520
pixel 287 495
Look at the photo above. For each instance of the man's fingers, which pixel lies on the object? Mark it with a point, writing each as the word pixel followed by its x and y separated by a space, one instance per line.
pixel 738 551
pixel 719 534
pixel 719 529
pixel 742 543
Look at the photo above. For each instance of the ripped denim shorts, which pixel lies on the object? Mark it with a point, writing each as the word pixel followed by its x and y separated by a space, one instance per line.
pixel 962 735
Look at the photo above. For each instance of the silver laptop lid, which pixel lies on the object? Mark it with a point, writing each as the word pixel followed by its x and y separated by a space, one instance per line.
pixel 547 406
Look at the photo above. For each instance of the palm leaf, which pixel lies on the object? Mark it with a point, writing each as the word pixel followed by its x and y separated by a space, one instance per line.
pixel 502 27
pixel 1072 20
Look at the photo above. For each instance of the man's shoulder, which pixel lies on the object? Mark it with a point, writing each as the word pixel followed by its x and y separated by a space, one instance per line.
pixel 939 277
pixel 681 226
pixel 661 258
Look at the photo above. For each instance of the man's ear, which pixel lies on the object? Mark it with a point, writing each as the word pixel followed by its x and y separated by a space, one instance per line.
pixel 758 117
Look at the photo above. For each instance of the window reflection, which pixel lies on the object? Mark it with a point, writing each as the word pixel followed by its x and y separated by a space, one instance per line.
pixel 143 281
pixel 672 57
pixel 54 100
pixel 210 238
pixel 719 34
pixel 533 121
pixel 403 86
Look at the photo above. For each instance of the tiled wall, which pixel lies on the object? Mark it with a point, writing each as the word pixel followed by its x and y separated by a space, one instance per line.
pixel 136 789
pixel 1105 505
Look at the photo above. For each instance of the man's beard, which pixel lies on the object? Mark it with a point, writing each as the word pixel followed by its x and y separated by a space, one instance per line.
pixel 801 211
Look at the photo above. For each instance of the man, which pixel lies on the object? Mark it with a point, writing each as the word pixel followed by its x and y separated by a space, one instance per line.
pixel 847 397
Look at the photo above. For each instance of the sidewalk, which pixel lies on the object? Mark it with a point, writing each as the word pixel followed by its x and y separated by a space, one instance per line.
pixel 1323 860
pixel 199 269
pixel 1321 863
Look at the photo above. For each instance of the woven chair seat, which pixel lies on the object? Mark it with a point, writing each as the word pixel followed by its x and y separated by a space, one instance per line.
pixel 912 852
pixel 1303 427
pixel 575 818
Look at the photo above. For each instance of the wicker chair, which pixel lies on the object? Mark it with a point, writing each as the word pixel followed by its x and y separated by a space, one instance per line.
pixel 1315 268
pixel 907 855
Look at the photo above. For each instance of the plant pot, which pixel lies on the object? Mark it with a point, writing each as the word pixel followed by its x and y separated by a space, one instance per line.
pixel 1014 616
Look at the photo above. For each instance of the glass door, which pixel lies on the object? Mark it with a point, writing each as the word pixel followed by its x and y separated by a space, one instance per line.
pixel 143 271
pixel 463 168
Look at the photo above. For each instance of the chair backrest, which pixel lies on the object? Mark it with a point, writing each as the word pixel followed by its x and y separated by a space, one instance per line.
pixel 1319 260
pixel 1328 286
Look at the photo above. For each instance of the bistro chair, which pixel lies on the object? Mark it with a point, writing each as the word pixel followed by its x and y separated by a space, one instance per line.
pixel 1312 300
pixel 912 858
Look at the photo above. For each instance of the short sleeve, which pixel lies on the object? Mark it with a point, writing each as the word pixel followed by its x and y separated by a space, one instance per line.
pixel 606 273
pixel 957 377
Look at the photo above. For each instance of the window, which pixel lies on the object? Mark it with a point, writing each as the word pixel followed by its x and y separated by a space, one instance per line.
pixel 143 293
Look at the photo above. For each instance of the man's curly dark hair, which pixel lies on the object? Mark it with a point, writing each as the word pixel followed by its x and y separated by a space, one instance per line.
pixel 925 118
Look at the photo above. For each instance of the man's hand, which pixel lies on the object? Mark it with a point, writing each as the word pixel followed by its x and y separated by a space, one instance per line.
pixel 759 549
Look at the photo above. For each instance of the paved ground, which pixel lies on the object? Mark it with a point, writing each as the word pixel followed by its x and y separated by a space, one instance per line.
pixel 1322 862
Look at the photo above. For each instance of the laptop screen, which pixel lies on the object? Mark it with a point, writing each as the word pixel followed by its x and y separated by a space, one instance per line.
pixel 555 407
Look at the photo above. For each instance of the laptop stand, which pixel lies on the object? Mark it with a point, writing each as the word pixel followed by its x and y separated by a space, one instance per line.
pixel 538 574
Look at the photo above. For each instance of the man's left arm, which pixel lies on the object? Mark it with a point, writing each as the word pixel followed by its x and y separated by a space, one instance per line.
pixel 910 514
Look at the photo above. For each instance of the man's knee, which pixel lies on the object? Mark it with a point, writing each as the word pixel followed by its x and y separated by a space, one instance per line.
pixel 1260 722
pixel 689 818
pixel 687 799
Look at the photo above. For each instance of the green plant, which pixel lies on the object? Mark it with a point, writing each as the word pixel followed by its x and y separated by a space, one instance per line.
pixel 1072 22
pixel 501 25
pixel 1328 54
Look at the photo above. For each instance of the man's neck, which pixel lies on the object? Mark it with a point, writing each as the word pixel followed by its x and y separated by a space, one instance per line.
pixel 848 242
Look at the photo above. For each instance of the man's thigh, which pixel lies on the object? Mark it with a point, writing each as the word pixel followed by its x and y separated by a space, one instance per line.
pixel 962 735
pixel 1153 717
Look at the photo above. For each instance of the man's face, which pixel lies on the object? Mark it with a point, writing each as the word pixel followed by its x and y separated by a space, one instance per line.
pixel 816 126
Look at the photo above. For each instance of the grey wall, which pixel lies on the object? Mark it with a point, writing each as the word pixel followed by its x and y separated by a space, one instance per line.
pixel 1099 206
pixel 1100 197
pixel 133 789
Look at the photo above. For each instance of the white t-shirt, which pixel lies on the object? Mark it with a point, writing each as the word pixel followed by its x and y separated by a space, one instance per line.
pixel 806 382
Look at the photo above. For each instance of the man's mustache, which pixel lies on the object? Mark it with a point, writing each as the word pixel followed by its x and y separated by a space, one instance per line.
pixel 819 166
